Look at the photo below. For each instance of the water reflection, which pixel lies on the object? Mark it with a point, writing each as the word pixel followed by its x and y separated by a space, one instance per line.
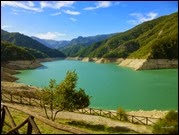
pixel 42 67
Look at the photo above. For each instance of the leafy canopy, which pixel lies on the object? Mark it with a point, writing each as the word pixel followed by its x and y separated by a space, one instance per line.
pixel 64 96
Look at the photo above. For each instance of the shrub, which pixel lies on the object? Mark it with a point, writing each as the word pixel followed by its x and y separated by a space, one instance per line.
pixel 167 125
pixel 121 113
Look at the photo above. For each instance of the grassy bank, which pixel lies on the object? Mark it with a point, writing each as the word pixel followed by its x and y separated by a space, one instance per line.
pixel 20 117
pixel 45 129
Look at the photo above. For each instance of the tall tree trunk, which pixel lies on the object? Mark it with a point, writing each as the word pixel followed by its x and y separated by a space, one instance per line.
pixel 51 109
pixel 45 111
pixel 56 114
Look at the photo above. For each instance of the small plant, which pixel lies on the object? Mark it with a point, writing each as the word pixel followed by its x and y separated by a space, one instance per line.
pixel 121 113
pixel 167 125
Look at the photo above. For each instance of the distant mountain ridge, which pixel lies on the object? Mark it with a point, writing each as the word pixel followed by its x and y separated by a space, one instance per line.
pixel 25 41
pixel 63 44
pixel 155 39
pixel 76 44
pixel 89 40
pixel 53 44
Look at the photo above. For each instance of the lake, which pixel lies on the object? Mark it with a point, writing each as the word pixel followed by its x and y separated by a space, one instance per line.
pixel 112 86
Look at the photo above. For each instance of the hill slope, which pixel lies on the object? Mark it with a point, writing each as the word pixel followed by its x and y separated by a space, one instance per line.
pixel 13 52
pixel 153 39
pixel 77 44
pixel 25 41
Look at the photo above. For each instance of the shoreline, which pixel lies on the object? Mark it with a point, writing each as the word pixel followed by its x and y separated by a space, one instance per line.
pixel 135 64
pixel 148 64
pixel 8 69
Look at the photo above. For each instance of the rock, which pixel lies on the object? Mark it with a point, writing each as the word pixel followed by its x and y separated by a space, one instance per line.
pixel 143 64
pixel 87 59
pixel 110 60
pixel 22 64
pixel 74 58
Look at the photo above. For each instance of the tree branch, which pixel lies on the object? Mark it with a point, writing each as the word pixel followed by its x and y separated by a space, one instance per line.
pixel 56 113
pixel 45 111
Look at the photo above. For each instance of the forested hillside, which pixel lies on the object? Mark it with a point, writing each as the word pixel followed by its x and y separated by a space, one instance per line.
pixel 155 39
pixel 25 41
pixel 13 52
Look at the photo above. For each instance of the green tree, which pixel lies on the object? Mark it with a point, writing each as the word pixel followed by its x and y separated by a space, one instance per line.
pixel 64 96
pixel 167 125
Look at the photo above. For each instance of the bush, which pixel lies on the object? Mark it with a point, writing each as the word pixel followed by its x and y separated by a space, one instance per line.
pixel 167 125
pixel 122 114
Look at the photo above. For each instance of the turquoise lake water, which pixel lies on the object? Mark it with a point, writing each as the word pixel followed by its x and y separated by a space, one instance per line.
pixel 112 86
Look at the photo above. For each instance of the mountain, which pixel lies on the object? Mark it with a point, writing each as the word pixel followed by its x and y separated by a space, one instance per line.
pixel 154 39
pixel 89 40
pixel 25 41
pixel 77 44
pixel 51 43
pixel 10 51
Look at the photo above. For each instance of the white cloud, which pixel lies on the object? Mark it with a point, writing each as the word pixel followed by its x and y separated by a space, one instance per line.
pixel 6 26
pixel 103 4
pixel 100 4
pixel 55 14
pixel 140 18
pixel 73 19
pixel 151 16
pixel 71 12
pixel 50 35
pixel 21 4
pixel 31 4
pixel 132 22
pixel 15 13
pixel 56 4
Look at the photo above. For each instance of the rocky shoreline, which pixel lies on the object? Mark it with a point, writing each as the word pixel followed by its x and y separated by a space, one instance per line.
pixel 9 69
pixel 145 64
pixel 136 64
pixel 97 60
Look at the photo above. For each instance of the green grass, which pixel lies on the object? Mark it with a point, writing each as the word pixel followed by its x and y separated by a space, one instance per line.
pixel 19 117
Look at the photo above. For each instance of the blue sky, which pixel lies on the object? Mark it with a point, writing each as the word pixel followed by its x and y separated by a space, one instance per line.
pixel 65 20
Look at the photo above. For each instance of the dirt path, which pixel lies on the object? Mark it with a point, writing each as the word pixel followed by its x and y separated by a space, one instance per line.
pixel 90 119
